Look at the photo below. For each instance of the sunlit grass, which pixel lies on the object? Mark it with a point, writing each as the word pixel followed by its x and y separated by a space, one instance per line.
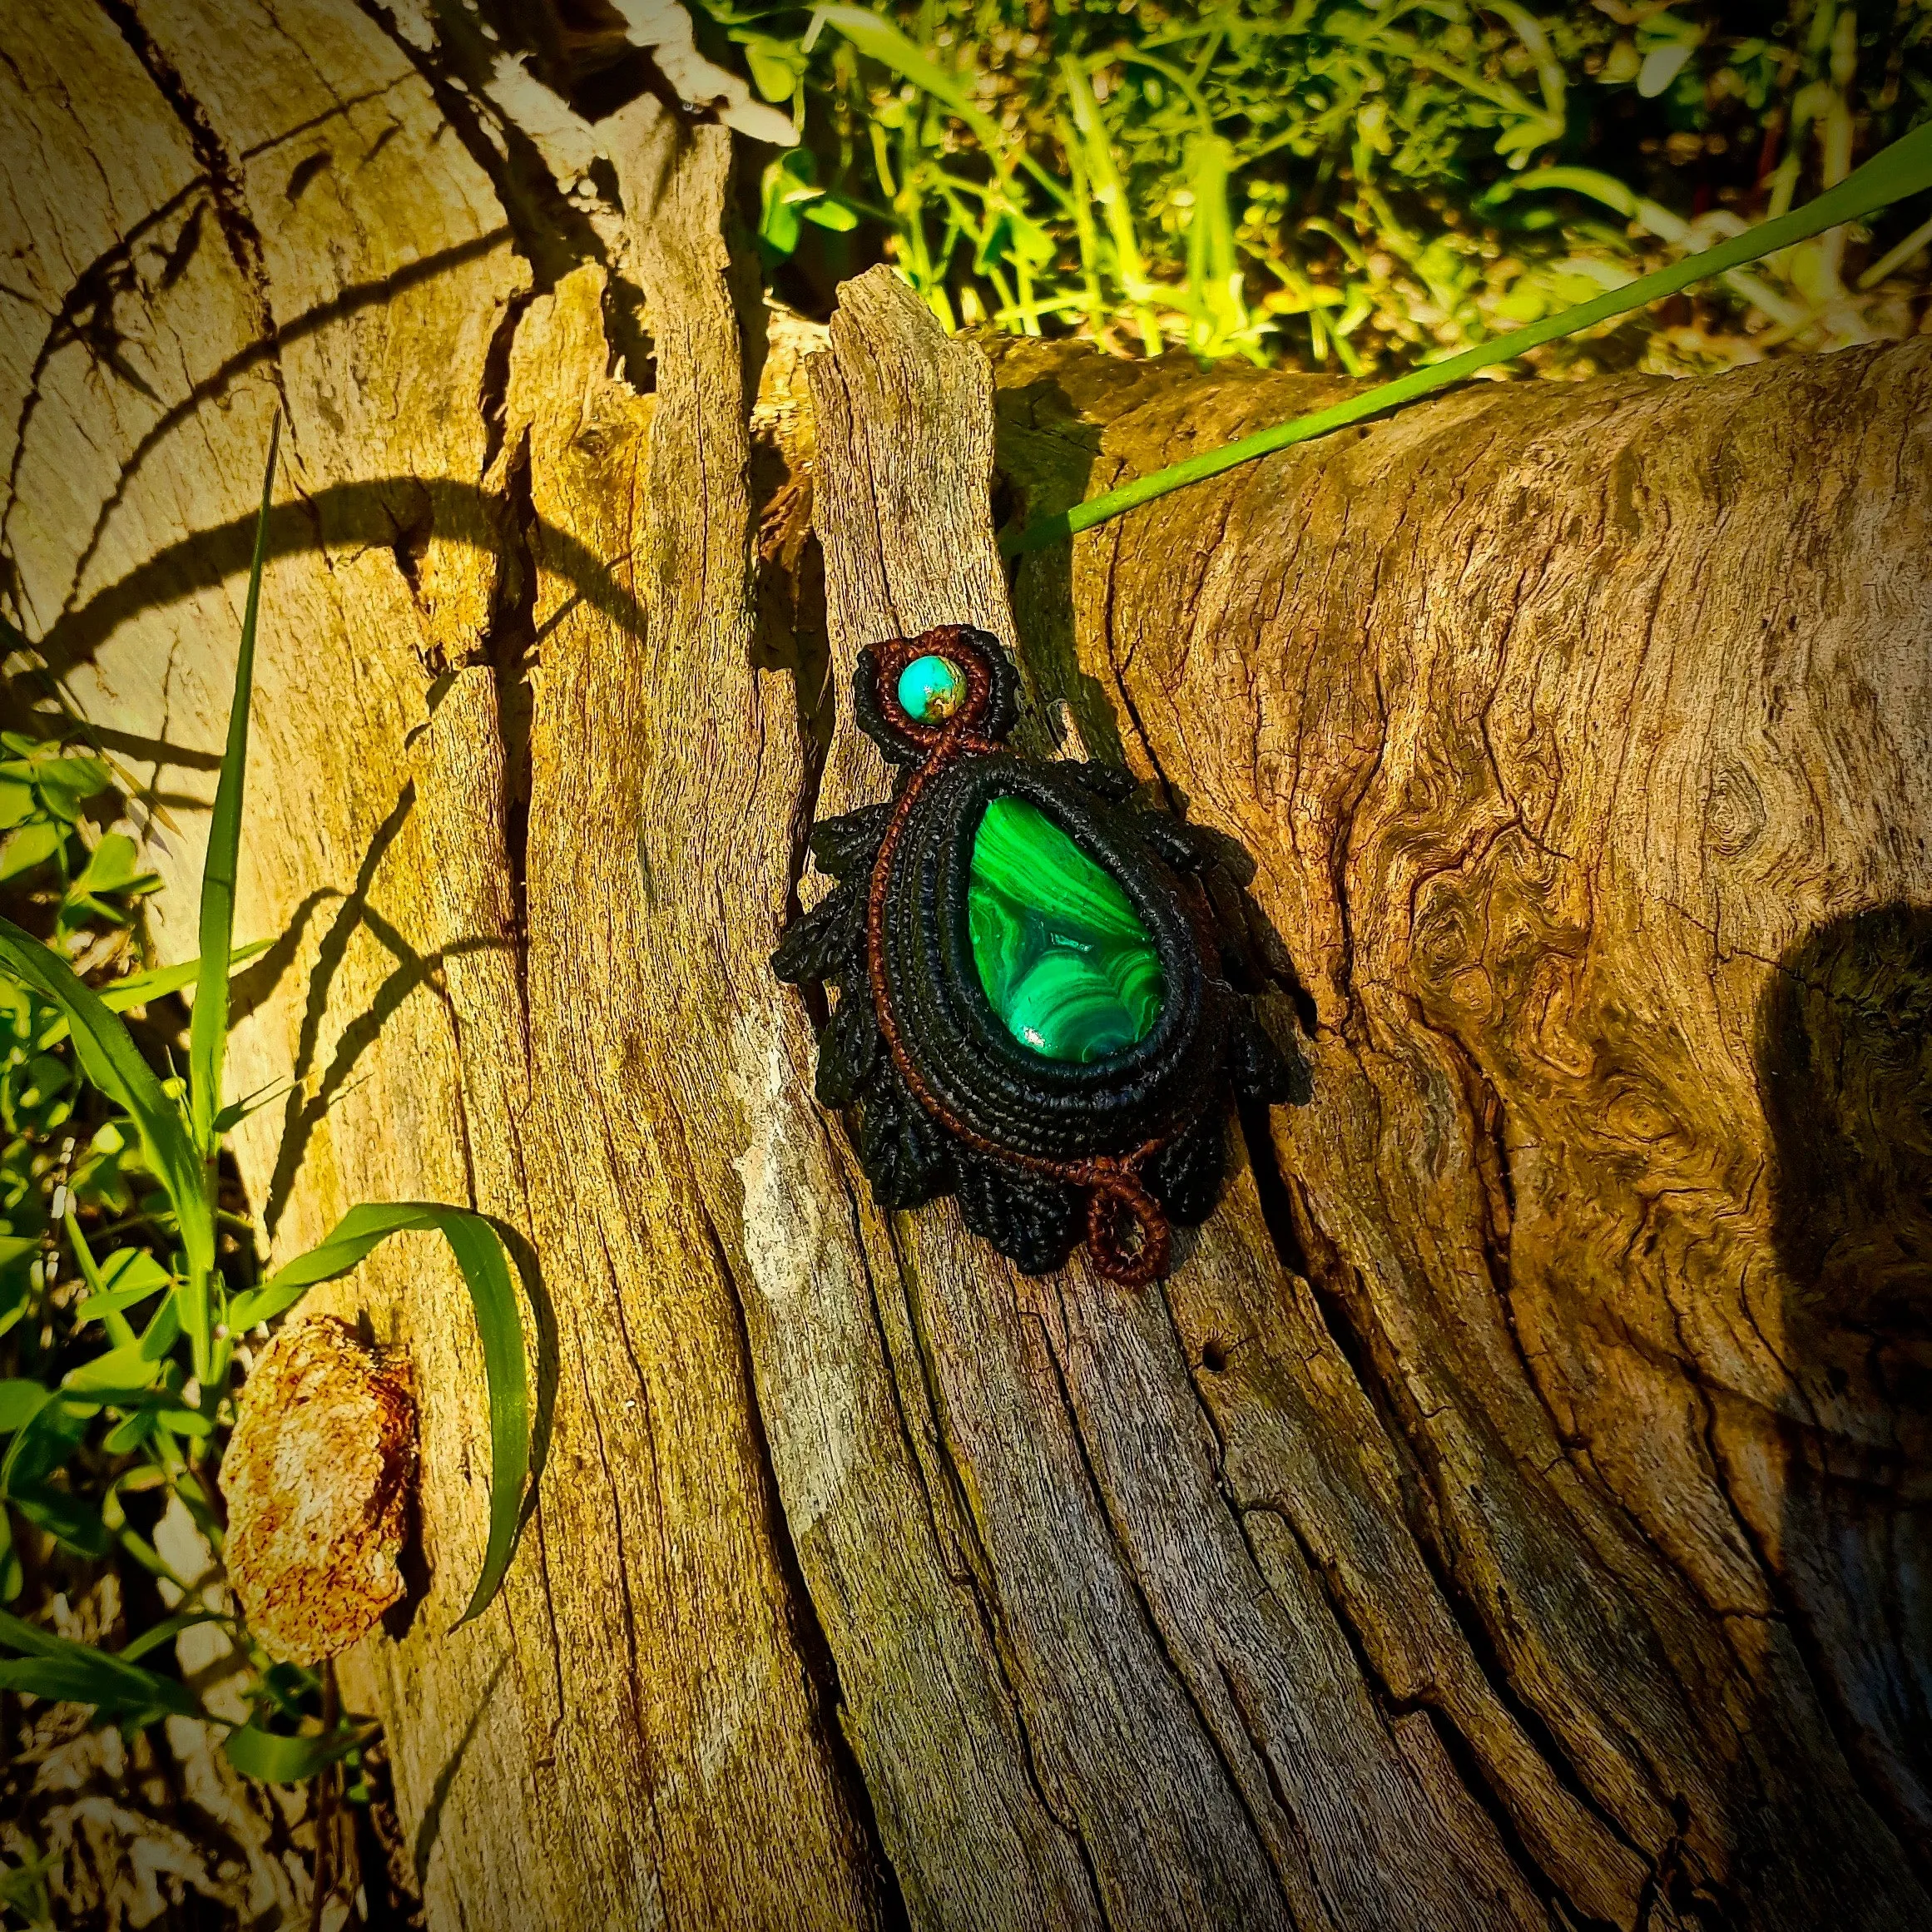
pixel 1346 185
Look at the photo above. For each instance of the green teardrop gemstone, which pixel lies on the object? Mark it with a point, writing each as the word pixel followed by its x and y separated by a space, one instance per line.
pixel 1063 955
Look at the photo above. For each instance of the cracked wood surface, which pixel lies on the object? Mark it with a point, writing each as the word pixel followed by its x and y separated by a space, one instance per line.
pixel 1506 1516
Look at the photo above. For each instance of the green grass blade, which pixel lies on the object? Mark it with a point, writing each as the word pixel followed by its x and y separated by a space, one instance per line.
pixel 486 1272
pixel 1902 169
pixel 56 1668
pixel 208 1040
pixel 138 989
pixel 169 1628
pixel 1116 206
pixel 113 1062
pixel 271 1759
pixel 885 44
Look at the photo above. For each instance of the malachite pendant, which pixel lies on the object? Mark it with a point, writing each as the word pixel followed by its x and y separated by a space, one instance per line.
pixel 1038 1011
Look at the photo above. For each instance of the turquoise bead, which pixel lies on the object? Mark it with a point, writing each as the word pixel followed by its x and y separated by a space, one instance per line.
pixel 931 689
pixel 1063 956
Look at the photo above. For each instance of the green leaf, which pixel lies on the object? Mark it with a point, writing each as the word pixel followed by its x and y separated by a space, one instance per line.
pixel 84 1255
pixel 23 1889
pixel 113 866
pixel 67 784
pixel 182 1421
pixel 70 1521
pixel 31 845
pixel 20 1401
pixel 787 182
pixel 776 65
pixel 479 1254
pixel 275 1759
pixel 830 212
pixel 138 989
pixel 15 802
pixel 128 1277
pixel 44 1439
pixel 64 1672
pixel 1903 169
pixel 130 1433
pixel 113 1063
pixel 208 1038
pixel 123 1373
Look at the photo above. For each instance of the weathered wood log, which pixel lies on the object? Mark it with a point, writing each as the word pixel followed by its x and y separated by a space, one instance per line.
pixel 1508 1514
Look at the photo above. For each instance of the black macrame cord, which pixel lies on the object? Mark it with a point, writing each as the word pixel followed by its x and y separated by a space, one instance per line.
pixel 1039 1153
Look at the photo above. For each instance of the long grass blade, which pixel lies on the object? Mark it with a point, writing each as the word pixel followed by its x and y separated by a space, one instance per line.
pixel 208 1039
pixel 486 1272
pixel 1902 169
pixel 64 1672
pixel 138 989
pixel 113 1062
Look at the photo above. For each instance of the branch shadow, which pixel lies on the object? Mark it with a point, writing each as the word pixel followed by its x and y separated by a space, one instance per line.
pixel 303 1113
pixel 349 516
pixel 251 988
pixel 264 351
pixel 300 1115
pixel 431 1823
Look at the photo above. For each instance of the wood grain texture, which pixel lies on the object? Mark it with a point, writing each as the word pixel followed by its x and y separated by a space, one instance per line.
pixel 480 563
pixel 1581 738
pixel 1508 1513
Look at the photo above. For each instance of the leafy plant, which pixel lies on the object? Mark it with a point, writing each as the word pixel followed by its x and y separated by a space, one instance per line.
pixel 23 1889
pixel 125 1278
pixel 44 790
pixel 1358 183
pixel 1903 169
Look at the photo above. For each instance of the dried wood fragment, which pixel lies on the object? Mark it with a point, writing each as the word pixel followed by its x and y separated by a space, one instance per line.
pixel 320 1480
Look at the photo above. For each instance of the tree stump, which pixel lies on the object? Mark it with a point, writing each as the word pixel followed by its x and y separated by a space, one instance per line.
pixel 1510 1512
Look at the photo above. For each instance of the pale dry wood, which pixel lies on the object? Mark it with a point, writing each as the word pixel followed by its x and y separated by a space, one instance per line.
pixel 631 1737
pixel 1453 1542
pixel 1160 1683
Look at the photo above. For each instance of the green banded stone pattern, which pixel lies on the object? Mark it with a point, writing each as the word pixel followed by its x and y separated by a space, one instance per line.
pixel 1063 956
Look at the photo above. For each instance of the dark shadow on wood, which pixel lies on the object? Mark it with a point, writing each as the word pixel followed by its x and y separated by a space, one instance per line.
pixel 297 1116
pixel 1043 456
pixel 431 1820
pixel 251 988
pixel 263 352
pixel 348 516
pixel 50 724
pixel 1845 1073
